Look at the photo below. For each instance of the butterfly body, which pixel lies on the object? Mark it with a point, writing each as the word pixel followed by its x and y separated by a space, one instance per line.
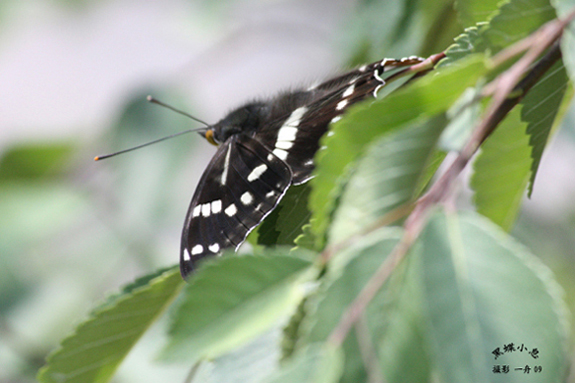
pixel 264 147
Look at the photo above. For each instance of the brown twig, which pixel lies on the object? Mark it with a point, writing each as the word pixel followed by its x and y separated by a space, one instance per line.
pixel 517 80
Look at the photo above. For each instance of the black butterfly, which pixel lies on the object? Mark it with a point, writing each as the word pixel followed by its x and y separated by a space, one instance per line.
pixel 264 148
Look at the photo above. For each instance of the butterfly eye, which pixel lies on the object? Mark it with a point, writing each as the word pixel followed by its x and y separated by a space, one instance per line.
pixel 210 137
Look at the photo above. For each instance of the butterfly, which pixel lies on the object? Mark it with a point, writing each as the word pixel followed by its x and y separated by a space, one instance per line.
pixel 264 147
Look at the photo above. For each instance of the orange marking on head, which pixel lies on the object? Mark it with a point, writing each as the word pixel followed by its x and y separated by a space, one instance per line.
pixel 210 137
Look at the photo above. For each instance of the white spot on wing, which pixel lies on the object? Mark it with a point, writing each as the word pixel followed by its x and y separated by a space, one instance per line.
pixel 295 117
pixel 231 210
pixel 214 248
pixel 216 206
pixel 226 166
pixel 313 86
pixel 206 209
pixel 287 133
pixel 247 198
pixel 270 194
pixel 197 210
pixel 335 119
pixel 284 144
pixel 280 153
pixel 198 249
pixel 257 172
pixel 349 91
pixel 187 256
pixel 342 104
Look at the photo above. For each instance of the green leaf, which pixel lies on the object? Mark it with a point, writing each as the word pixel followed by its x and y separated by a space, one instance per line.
pixel 247 364
pixel 501 171
pixel 516 20
pixel 427 97
pixel 540 107
pixel 100 343
pixel 317 363
pixel 231 301
pixel 292 330
pixel 568 49
pixel 482 291
pixel 563 8
pixel 510 157
pixel 386 177
pixel 140 282
pixel 286 221
pixel 404 328
pixel 463 117
pixel 474 11
pixel 434 163
pixel 306 240
pixel 393 322
pixel 351 270
pixel 511 22
pixel 470 41
pixel 35 161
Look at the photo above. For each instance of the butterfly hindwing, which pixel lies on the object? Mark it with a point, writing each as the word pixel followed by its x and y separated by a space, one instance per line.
pixel 242 184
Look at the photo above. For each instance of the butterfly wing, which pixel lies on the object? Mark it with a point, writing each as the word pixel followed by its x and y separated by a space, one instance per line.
pixel 242 184
pixel 251 171
pixel 295 139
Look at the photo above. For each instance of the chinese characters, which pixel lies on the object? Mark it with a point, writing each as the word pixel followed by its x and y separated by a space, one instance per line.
pixel 512 347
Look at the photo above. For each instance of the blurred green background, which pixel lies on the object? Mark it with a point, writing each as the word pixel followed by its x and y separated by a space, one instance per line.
pixel 74 75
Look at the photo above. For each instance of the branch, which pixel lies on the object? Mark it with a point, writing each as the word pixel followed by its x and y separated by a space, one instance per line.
pixel 518 80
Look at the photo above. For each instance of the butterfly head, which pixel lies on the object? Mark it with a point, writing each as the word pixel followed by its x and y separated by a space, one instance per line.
pixel 245 119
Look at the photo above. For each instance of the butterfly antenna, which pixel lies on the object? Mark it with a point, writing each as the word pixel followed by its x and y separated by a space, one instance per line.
pixel 98 158
pixel 158 102
pixel 153 100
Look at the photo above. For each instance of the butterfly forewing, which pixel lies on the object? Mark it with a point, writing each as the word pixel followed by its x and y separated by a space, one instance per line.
pixel 242 184
pixel 268 146
pixel 295 137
